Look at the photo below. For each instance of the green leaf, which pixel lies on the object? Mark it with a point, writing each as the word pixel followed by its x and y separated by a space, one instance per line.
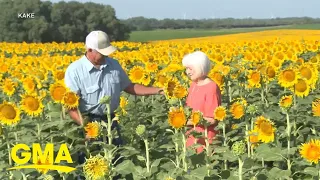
pixel 141 158
pixel 276 173
pixel 199 173
pixel 156 163
pixel 311 170
pixel 268 154
pixel 126 167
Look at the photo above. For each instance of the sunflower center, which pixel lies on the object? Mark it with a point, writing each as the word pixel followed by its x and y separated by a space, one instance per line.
pixel 255 77
pixel 8 111
pixel 271 72
pixel 60 75
pixel 58 92
pixel 306 72
pixel 220 114
pixel 313 152
pixel 70 98
pixel 9 87
pixel 266 128
pixel 32 103
pixel 301 86
pixel 289 75
pixel 138 74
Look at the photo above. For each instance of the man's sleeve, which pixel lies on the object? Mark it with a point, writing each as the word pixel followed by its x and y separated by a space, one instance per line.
pixel 71 82
pixel 124 79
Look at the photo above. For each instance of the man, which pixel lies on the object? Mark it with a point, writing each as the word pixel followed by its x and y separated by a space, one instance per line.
pixel 96 75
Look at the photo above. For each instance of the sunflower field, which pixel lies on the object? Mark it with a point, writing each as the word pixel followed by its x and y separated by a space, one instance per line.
pixel 268 122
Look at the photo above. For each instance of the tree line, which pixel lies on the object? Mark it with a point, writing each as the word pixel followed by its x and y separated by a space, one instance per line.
pixel 58 22
pixel 144 24
pixel 44 21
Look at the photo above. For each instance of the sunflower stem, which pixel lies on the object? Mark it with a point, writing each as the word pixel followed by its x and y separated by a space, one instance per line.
pixel 8 145
pixel 289 134
pixel 207 140
pixel 63 113
pixel 224 143
pixel 185 167
pixel 147 155
pixel 240 168
pixel 248 140
pixel 229 91
pixel 109 124
pixel 177 150
pixel 207 147
pixel 294 120
pixel 262 162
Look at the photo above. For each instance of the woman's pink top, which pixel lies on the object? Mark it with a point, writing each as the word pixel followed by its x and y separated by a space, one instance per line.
pixel 206 99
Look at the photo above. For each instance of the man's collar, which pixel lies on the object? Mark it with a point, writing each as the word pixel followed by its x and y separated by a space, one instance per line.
pixel 89 66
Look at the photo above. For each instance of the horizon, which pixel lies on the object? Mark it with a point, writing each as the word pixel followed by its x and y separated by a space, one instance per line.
pixel 211 9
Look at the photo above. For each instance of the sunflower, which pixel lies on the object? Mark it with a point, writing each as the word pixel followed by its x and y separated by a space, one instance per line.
pixel 217 77
pixel 288 77
pixel 28 85
pixel 146 80
pixel 9 113
pixel 253 137
pixel 151 67
pixel 170 86
pixel 237 110
pixel 31 105
pixel 123 104
pixel 57 91
pixel 137 74
pixel 180 92
pixel 160 80
pixel 270 73
pixel 311 151
pixel 301 88
pixel 265 129
pixel 196 117
pixel 309 73
pixel 176 117
pixel 316 107
pixel 93 129
pixel 286 101
pixel 58 75
pixel 254 79
pixel 220 113
pixel 70 100
pixel 9 86
pixel 96 167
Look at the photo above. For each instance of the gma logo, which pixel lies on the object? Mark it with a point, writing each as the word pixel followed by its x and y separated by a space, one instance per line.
pixel 45 158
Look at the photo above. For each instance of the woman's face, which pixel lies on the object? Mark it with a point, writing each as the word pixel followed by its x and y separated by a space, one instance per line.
pixel 191 73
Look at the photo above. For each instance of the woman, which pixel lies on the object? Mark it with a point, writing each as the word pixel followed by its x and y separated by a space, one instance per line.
pixel 204 96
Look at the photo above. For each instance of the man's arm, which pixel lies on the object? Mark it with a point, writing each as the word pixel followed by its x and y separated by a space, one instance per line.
pixel 141 90
pixel 135 89
pixel 73 113
pixel 71 82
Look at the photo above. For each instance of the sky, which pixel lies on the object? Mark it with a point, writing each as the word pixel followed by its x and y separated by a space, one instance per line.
pixel 197 9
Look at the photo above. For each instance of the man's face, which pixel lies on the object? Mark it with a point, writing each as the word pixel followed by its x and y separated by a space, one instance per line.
pixel 95 56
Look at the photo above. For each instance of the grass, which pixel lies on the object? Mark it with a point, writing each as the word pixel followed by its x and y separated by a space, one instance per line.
pixel 144 36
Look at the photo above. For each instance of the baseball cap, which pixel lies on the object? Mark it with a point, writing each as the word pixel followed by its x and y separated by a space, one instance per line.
pixel 100 41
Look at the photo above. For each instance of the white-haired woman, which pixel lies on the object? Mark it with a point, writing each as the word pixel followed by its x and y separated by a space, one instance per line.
pixel 204 95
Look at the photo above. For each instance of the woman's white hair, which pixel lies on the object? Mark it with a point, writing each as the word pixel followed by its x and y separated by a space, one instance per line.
pixel 198 60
